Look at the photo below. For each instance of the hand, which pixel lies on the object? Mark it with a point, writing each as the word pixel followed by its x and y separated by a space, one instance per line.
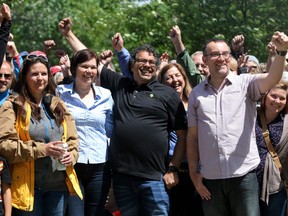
pixel 175 34
pixel 11 48
pixel 271 48
pixel 11 37
pixel 171 179
pixel 67 159
pixel 238 43
pixel 106 57
pixel 51 149
pixel 242 60
pixel 117 42
pixel 197 179
pixel 60 53
pixel 65 26
pixel 5 11
pixel 48 45
pixel 163 60
pixel 65 65
pixel 280 40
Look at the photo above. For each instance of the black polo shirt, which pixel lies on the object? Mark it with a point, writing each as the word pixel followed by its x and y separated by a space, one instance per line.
pixel 144 115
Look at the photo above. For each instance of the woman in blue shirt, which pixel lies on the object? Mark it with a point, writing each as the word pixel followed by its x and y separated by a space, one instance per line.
pixel 91 107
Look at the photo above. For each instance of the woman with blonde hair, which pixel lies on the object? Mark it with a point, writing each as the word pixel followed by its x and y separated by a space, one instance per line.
pixel 183 197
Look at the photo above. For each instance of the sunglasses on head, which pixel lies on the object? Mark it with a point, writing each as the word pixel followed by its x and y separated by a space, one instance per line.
pixel 6 76
pixel 33 57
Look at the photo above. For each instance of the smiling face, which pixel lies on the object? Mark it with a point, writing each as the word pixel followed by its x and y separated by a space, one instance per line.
pixel 86 72
pixel 144 68
pixel 174 79
pixel 275 100
pixel 217 57
pixel 37 79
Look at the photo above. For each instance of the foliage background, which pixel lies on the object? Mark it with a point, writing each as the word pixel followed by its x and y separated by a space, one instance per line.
pixel 96 21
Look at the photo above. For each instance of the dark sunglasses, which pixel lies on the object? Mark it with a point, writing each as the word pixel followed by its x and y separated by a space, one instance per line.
pixel 33 57
pixel 6 76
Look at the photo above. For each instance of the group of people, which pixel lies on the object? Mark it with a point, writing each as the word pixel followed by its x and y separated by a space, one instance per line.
pixel 181 137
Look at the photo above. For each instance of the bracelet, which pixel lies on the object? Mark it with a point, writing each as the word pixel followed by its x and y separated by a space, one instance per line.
pixel 173 169
pixel 281 53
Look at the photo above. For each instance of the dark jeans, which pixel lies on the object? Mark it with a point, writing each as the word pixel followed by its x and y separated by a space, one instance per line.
pixel 276 205
pixel 95 180
pixel 137 196
pixel 49 203
pixel 184 199
pixel 233 197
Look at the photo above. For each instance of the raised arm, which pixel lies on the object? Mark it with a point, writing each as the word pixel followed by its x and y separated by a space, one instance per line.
pixel 267 81
pixel 4 30
pixel 237 46
pixel 123 54
pixel 65 27
pixel 184 58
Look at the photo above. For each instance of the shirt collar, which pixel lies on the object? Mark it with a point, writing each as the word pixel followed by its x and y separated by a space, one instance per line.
pixel 229 78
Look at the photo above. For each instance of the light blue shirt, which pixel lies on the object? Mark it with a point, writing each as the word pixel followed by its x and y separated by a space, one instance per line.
pixel 94 124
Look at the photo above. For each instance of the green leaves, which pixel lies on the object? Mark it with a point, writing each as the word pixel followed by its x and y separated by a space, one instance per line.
pixel 95 22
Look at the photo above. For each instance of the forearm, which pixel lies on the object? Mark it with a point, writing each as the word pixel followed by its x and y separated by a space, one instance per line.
pixel 123 59
pixel 192 150
pixel 75 44
pixel 191 71
pixel 7 200
pixel 267 81
pixel 179 150
pixel 269 61
pixel 179 46
pixel 4 34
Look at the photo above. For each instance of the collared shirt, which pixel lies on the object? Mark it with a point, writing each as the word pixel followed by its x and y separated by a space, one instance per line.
pixel 226 126
pixel 94 124
pixel 144 116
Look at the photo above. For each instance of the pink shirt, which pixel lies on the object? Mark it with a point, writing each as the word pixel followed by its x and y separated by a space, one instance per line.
pixel 226 121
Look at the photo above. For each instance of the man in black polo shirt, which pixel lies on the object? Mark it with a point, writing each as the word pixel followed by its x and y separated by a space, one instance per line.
pixel 145 111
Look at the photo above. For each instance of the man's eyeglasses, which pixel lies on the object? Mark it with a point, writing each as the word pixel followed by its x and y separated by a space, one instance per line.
pixel 202 65
pixel 6 76
pixel 216 55
pixel 144 61
pixel 33 57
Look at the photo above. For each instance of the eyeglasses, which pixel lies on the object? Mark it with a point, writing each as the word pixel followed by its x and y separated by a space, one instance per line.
pixel 216 55
pixel 202 65
pixel 144 61
pixel 33 57
pixel 6 76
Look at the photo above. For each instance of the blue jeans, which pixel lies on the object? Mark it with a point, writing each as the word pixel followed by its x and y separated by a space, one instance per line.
pixel 95 181
pixel 50 203
pixel 233 197
pixel 276 205
pixel 137 196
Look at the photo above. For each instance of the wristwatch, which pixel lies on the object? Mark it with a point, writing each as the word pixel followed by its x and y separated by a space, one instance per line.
pixel 173 169
pixel 281 53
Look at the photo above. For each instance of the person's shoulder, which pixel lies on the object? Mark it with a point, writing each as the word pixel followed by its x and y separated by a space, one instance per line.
pixel 65 88
pixel 101 90
pixel 12 99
